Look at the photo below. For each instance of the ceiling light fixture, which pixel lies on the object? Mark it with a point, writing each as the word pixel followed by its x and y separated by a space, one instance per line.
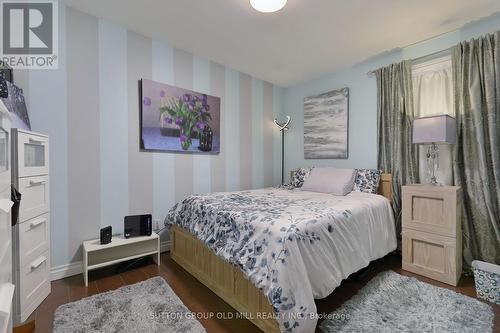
pixel 268 6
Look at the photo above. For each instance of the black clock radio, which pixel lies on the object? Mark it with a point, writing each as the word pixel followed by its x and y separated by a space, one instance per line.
pixel 138 225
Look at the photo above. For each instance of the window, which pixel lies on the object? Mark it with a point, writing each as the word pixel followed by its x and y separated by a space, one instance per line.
pixel 433 95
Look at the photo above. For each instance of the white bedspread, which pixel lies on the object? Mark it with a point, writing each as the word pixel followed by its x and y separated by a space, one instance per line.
pixel 293 245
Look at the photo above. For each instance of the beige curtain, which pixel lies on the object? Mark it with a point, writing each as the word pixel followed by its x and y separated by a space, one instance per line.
pixel 476 74
pixel 396 153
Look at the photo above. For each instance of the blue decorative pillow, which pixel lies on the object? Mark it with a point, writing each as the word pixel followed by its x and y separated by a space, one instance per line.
pixel 299 176
pixel 367 180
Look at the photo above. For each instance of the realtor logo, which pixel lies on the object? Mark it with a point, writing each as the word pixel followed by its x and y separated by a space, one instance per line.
pixel 29 34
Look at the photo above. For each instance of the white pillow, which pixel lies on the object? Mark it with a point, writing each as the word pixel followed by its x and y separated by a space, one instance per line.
pixel 330 180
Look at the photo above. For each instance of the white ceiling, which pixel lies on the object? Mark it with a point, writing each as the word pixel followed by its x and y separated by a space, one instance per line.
pixel 306 39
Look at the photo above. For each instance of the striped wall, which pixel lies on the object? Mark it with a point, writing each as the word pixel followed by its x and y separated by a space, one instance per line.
pixel 90 109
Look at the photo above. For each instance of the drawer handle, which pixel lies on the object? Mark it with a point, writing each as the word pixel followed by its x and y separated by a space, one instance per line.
pixel 36 182
pixel 36 142
pixel 35 264
pixel 36 223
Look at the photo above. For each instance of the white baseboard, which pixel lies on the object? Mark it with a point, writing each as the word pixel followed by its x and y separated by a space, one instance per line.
pixel 75 268
pixel 63 271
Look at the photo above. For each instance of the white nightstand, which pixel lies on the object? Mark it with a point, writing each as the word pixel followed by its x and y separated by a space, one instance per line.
pixel 97 255
pixel 432 233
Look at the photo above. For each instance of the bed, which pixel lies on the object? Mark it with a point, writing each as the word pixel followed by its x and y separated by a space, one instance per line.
pixel 270 252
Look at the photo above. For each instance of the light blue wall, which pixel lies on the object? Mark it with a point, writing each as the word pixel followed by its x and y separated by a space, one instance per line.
pixel 362 98
pixel 113 125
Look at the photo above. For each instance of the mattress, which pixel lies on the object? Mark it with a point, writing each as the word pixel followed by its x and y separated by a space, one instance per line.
pixel 293 245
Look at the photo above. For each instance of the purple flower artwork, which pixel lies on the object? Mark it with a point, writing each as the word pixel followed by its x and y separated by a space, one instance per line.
pixel 178 120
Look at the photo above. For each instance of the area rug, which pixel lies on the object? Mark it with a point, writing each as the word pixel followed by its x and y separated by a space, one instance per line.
pixel 391 302
pixel 148 306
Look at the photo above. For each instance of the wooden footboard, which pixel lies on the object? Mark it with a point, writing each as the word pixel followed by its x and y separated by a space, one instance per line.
pixel 223 278
pixel 385 186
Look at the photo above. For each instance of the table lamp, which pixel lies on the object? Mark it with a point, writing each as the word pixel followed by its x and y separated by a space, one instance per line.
pixel 432 131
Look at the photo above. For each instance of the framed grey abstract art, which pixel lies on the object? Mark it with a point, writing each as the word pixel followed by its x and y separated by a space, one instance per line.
pixel 326 121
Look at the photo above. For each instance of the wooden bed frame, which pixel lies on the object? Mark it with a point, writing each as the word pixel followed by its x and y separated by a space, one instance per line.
pixel 227 280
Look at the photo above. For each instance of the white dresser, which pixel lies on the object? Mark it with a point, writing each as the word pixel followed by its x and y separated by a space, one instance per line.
pixel 31 235
pixel 6 287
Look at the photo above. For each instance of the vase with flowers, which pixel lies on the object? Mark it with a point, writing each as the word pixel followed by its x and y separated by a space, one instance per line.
pixel 190 113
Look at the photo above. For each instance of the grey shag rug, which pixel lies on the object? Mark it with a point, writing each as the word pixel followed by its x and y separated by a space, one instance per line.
pixel 391 302
pixel 148 306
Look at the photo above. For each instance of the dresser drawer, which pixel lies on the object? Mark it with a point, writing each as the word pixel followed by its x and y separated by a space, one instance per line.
pixel 34 238
pixel 35 197
pixel 34 284
pixel 432 255
pixel 32 154
pixel 433 209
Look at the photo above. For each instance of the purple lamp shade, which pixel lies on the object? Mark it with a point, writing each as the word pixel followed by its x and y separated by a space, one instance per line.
pixel 436 129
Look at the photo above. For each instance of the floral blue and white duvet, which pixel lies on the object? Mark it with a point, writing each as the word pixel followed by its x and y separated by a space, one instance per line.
pixel 293 245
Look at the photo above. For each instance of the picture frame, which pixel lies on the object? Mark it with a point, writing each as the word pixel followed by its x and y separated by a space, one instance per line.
pixel 174 119
pixel 326 125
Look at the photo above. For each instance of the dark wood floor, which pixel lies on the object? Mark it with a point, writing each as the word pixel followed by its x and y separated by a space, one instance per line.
pixel 200 299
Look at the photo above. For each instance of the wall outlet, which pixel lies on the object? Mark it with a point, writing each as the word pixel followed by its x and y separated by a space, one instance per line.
pixel 156 224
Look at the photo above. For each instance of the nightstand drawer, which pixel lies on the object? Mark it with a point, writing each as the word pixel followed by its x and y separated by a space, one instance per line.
pixel 433 209
pixel 432 255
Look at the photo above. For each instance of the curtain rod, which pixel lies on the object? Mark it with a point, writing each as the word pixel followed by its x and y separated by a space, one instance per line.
pixel 426 57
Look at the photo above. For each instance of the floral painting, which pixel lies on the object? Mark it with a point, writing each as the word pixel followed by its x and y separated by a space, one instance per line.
pixel 178 120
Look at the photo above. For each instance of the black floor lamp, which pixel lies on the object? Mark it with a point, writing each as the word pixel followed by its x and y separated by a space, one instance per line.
pixel 283 128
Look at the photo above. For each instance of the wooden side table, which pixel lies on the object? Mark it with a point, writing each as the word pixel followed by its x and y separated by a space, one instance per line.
pixel 432 232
